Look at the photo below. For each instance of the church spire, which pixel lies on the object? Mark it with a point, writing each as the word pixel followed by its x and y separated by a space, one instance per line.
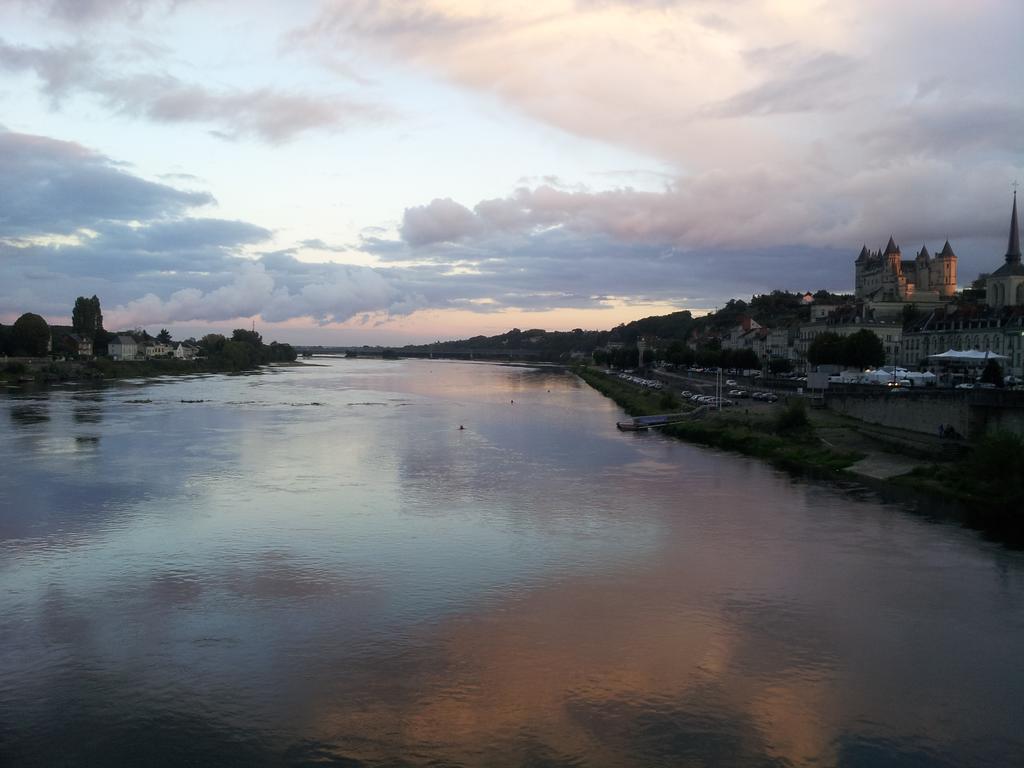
pixel 1013 244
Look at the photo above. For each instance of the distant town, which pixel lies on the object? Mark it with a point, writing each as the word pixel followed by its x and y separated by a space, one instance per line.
pixel 905 325
pixel 34 350
pixel 905 315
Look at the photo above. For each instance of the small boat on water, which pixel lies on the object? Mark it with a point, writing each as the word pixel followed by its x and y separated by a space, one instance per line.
pixel 630 426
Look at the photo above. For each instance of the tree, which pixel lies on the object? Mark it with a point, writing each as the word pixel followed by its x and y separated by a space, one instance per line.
pixel 285 353
pixel 164 337
pixel 30 335
pixel 87 318
pixel 741 358
pixel 780 365
pixel 678 353
pixel 863 349
pixel 252 338
pixel 237 354
pixel 826 349
pixel 993 373
pixel 212 343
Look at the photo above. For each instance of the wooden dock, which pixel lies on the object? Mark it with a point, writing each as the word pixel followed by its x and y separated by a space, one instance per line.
pixel 640 423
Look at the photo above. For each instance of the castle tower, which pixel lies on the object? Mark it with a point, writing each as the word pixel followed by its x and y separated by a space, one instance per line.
pixel 924 264
pixel 945 282
pixel 892 255
pixel 858 269
pixel 893 282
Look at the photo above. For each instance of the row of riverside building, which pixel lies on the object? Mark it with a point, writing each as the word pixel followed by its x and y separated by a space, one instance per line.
pixel 124 346
pixel 989 317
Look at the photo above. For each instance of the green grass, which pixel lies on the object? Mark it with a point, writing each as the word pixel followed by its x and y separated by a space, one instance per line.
pixel 786 440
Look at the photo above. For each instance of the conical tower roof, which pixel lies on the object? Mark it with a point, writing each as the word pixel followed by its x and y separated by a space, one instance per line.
pixel 1013 244
pixel 947 251
pixel 891 247
pixel 1012 266
pixel 924 255
pixel 863 256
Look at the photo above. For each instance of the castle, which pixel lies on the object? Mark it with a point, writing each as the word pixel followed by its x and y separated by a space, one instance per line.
pixel 886 277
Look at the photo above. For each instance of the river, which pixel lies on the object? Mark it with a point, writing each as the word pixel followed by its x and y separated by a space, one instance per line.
pixel 315 566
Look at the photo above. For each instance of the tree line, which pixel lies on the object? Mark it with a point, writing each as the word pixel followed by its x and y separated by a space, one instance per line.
pixel 31 336
pixel 678 353
pixel 862 349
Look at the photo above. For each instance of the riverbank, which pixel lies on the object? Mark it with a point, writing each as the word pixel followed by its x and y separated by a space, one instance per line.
pixel 41 371
pixel 979 484
pixel 781 435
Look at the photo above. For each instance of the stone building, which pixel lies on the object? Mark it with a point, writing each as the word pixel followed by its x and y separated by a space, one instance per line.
pixel 123 347
pixel 997 325
pixel 964 328
pixel 887 277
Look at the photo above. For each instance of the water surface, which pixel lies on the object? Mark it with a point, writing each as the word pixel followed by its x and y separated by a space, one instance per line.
pixel 315 566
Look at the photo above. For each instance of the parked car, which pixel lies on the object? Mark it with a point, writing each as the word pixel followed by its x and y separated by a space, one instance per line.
pixel 730 382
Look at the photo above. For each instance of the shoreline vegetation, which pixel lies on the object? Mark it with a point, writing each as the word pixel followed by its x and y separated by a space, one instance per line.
pixel 104 369
pixel 85 351
pixel 784 439
pixel 982 485
pixel 222 356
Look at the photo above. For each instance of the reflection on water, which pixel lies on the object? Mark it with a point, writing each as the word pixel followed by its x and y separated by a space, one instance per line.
pixel 29 413
pixel 87 408
pixel 200 571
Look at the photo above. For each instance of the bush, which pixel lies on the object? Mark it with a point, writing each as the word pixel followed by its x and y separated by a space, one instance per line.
pixel 996 466
pixel 668 401
pixel 793 417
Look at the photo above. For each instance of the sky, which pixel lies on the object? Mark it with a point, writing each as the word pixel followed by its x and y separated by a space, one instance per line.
pixel 388 172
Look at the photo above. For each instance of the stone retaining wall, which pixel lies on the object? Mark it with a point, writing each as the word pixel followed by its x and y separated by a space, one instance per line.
pixel 972 414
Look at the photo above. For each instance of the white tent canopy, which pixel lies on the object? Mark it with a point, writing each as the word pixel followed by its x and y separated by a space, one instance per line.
pixel 966 356
pixel 889 374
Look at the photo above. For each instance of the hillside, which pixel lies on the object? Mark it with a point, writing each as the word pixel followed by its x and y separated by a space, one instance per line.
pixel 775 309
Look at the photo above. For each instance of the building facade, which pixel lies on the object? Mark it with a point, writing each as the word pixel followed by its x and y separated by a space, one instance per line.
pixel 123 347
pixel 884 276
pixel 997 325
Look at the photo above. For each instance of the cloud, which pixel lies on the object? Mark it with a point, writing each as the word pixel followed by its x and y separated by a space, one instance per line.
pixel 761 207
pixel 759 83
pixel 57 187
pixel 272 115
pixel 813 85
pixel 438 221
pixel 409 25
pixel 958 128
pixel 150 262
pixel 89 11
